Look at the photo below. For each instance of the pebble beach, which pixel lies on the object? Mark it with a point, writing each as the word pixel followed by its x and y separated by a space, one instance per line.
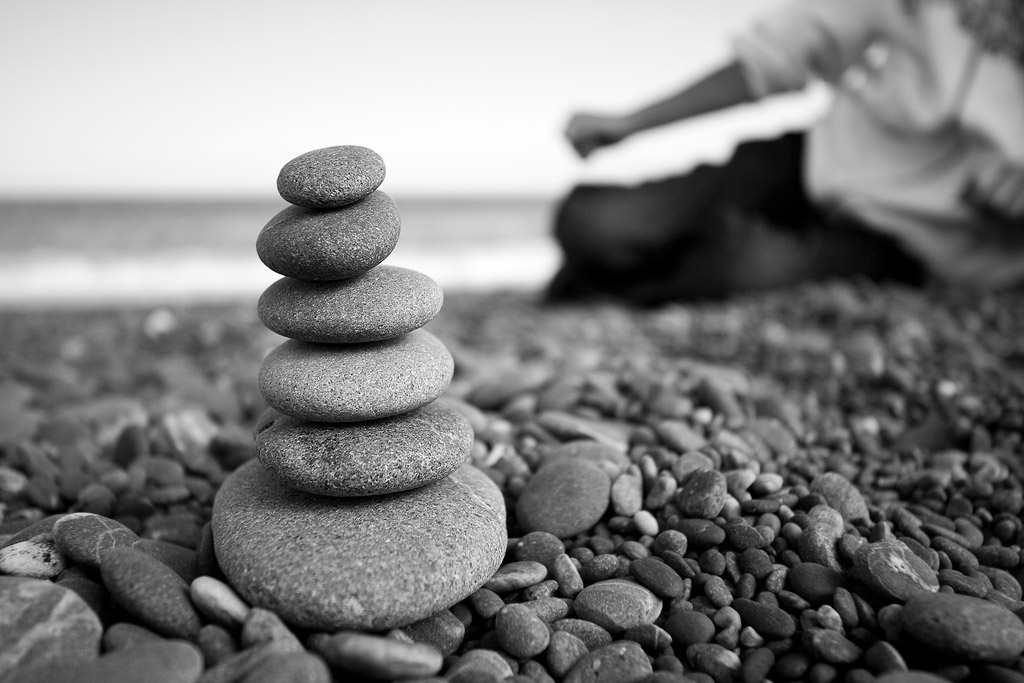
pixel 819 484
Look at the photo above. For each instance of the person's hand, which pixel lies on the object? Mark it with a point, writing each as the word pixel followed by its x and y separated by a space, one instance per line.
pixel 587 132
pixel 998 190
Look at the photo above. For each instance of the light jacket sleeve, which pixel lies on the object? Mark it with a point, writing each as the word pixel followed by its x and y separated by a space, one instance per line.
pixel 804 40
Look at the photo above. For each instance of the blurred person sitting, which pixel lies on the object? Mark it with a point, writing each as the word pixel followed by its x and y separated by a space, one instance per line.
pixel 915 172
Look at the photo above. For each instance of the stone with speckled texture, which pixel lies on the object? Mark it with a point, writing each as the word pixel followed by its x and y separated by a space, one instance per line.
pixel 330 244
pixel 364 458
pixel 356 382
pixel 43 625
pixel 370 563
pixel 382 303
pixel 331 176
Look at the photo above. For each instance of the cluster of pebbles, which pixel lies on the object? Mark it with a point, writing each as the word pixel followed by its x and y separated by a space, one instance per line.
pixel 821 485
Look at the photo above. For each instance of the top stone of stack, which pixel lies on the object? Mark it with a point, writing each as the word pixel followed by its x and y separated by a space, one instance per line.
pixel 331 177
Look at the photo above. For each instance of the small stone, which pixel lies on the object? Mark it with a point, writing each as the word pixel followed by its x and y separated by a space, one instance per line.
pixel 623 662
pixel 592 635
pixel 549 609
pixel 653 639
pixel 383 303
pixel 702 495
pixel 882 657
pixel 564 498
pixel 689 627
pixel 295 667
pixel 840 494
pixel 627 495
pixel 329 382
pixel 263 530
pixel 83 537
pixel 814 582
pixel 126 634
pixel 331 176
pixel 35 559
pixel 564 651
pixel 478 665
pixel 442 630
pixel 217 644
pixel 891 569
pixel 330 244
pixel 520 632
pixel 831 646
pixel 773 623
pixel 716 661
pixel 218 601
pixel 539 546
pixel 43 626
pixel 617 605
pixel 963 627
pixel 701 533
pixel 377 656
pixel 516 575
pixel 158 661
pixel 817 544
pixel 364 458
pixel 150 591
pixel 262 625
pixel 661 579
pixel 564 571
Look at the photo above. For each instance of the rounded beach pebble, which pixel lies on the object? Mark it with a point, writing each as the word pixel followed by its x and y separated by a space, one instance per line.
pixel 330 244
pixel 382 303
pixel 963 626
pixel 44 625
pixel 369 563
pixel 355 382
pixel 617 605
pixel 564 498
pixel 364 458
pixel 331 176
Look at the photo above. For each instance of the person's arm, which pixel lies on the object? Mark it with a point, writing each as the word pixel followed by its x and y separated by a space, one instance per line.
pixel 721 89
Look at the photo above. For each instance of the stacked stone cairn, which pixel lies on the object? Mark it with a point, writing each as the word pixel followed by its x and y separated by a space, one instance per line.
pixel 360 511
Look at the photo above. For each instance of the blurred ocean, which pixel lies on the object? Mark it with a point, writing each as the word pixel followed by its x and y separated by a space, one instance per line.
pixel 82 253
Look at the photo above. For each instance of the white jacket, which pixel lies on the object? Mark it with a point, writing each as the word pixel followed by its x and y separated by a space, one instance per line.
pixel 919 110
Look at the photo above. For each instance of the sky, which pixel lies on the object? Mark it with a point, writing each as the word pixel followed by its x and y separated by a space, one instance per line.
pixel 209 98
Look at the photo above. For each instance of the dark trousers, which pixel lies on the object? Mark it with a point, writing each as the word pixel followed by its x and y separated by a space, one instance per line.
pixel 717 230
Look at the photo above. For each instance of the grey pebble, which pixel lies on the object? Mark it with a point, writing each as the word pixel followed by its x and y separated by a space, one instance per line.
pixel 330 244
pixel 329 382
pixel 383 303
pixel 331 176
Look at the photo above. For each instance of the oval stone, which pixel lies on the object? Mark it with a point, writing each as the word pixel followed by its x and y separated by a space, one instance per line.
pixel 617 605
pixel 365 458
pixel 368 563
pixel 331 176
pixel 356 382
pixel 623 662
pixel 964 627
pixel 840 493
pixel 893 570
pixel 330 244
pixel 383 303
pixel 564 497
pixel 43 625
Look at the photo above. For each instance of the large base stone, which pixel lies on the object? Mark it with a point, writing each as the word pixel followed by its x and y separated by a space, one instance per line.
pixel 358 563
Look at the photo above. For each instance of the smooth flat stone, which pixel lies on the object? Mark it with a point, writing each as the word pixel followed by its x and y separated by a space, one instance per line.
pixel 963 627
pixel 364 458
pixel 355 382
pixel 369 563
pixel 331 176
pixel 330 244
pixel 382 303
